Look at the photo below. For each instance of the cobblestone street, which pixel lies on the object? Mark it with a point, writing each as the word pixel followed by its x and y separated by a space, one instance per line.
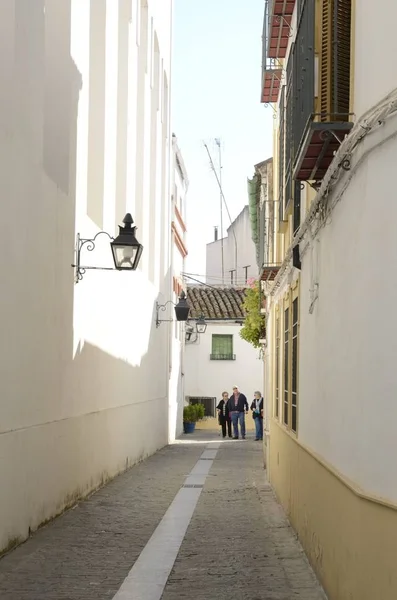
pixel 197 521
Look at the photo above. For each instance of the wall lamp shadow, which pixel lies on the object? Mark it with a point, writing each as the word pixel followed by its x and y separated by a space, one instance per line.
pixel 126 249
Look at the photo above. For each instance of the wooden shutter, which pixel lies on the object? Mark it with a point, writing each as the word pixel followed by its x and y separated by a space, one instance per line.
pixel 335 60
pixel 326 52
pixel 343 18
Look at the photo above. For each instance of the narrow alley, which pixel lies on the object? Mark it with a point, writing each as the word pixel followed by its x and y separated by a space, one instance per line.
pixel 196 520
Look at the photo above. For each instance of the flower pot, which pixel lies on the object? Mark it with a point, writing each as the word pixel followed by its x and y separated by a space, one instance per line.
pixel 188 427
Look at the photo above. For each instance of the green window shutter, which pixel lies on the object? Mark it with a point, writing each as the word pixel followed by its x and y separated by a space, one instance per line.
pixel 222 344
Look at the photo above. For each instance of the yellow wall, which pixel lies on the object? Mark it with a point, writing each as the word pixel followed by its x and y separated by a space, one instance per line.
pixel 350 539
pixel 210 423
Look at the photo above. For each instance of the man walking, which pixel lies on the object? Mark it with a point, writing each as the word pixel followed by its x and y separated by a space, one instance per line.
pixel 238 406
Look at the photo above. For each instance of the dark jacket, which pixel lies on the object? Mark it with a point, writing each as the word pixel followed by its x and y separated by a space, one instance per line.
pixel 242 404
pixel 224 411
pixel 255 415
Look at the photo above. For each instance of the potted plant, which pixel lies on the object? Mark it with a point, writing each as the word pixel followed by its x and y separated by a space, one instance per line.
pixel 191 414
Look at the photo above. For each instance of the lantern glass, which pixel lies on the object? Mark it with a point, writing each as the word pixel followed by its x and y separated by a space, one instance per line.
pixel 126 249
pixel 201 325
pixel 126 257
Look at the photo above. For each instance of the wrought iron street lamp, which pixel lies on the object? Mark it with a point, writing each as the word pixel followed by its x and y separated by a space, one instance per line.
pixel 201 325
pixel 181 309
pixel 126 249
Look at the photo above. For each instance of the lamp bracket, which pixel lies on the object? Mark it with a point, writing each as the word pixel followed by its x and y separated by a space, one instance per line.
pixel 90 246
pixel 163 307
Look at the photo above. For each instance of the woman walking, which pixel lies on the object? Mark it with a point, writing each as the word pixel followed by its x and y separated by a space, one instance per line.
pixel 257 413
pixel 223 415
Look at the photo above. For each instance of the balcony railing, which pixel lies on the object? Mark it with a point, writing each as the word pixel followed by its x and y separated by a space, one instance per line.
pixel 301 71
pixel 281 157
pixel 316 136
pixel 269 271
pixel 271 67
pixel 289 123
pixel 222 356
pixel 290 190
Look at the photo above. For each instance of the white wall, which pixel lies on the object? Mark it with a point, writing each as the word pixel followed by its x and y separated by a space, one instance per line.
pixel 205 377
pixel 179 189
pixel 246 253
pixel 83 370
pixel 348 349
pixel 375 43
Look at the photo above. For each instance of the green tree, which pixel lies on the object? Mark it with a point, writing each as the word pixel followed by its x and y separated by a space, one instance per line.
pixel 254 324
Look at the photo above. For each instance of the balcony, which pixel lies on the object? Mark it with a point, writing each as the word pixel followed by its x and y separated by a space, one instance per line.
pixel 222 357
pixel 289 190
pixel 318 109
pixel 269 271
pixel 271 84
pixel 321 138
pixel 279 26
pixel 271 67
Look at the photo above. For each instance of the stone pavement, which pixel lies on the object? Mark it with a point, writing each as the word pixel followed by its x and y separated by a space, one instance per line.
pixel 234 540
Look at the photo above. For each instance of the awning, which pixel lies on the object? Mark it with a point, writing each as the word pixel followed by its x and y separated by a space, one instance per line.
pixel 271 85
pixel 269 272
pixel 281 12
pixel 320 141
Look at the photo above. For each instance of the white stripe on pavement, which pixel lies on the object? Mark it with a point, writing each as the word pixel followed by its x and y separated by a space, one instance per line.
pixel 149 575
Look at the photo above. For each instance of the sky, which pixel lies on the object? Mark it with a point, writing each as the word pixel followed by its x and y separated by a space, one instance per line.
pixel 216 81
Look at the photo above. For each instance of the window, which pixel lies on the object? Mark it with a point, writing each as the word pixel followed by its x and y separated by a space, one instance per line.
pixel 335 66
pixel 222 347
pixel 294 386
pixel 209 404
pixel 277 378
pixel 286 367
pixel 287 382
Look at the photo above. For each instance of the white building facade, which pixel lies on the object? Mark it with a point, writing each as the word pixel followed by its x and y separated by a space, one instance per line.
pixel 84 139
pixel 179 189
pixel 218 359
pixel 238 264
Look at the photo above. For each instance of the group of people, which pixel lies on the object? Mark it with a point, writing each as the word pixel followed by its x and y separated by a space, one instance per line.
pixel 232 411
